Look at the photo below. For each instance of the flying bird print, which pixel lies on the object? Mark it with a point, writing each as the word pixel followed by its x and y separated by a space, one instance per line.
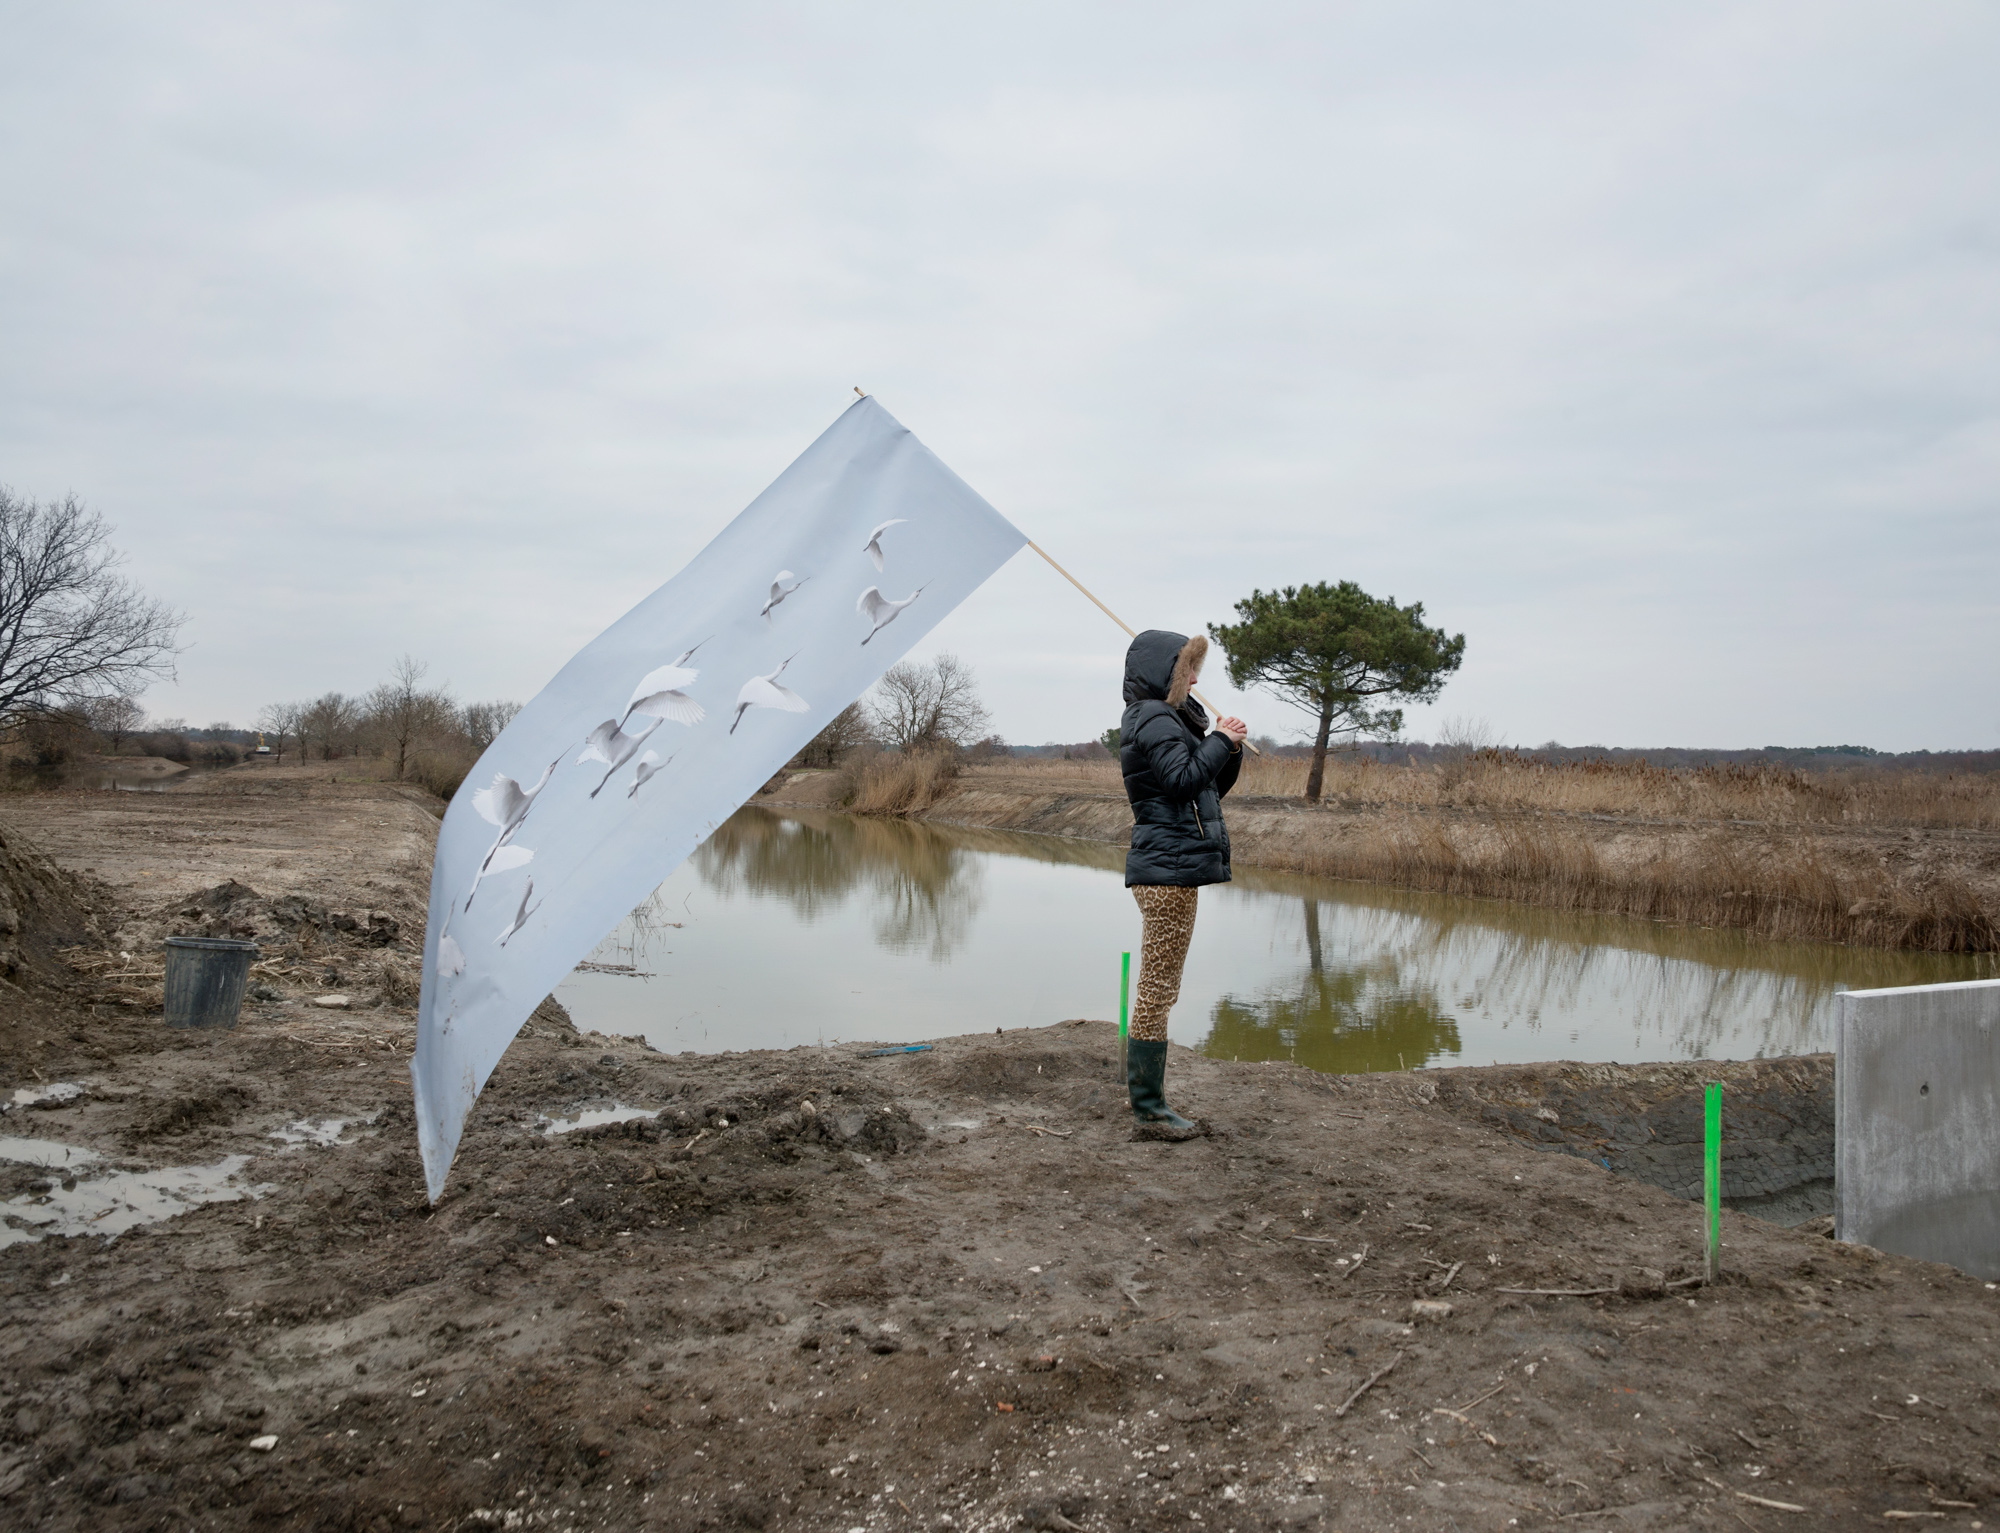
pixel 520 916
pixel 659 695
pixel 612 746
pixel 873 547
pixel 650 765
pixel 880 610
pixel 505 803
pixel 764 692
pixel 779 590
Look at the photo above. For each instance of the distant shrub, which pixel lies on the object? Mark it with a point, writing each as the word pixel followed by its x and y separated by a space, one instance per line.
pixel 440 770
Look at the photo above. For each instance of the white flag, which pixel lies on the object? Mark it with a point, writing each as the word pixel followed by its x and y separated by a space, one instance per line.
pixel 669 721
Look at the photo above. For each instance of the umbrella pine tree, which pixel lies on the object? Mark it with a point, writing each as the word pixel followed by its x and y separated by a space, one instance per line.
pixel 1340 656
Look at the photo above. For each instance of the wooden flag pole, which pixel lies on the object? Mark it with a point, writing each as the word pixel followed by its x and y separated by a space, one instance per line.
pixel 1124 625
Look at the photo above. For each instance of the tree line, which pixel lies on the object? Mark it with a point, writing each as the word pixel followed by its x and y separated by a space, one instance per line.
pixel 79 642
pixel 423 732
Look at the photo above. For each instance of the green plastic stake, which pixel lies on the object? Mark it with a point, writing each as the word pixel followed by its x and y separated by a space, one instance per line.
pixel 1711 1162
pixel 1124 1009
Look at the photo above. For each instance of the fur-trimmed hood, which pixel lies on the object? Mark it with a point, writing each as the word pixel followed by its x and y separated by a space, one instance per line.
pixel 1160 666
pixel 1176 772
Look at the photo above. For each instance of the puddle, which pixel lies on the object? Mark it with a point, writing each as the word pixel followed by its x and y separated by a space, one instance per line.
pixel 52 1153
pixel 58 1094
pixel 595 1117
pixel 118 1201
pixel 324 1132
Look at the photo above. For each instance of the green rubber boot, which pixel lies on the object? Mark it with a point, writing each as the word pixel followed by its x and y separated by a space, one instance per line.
pixel 1145 1078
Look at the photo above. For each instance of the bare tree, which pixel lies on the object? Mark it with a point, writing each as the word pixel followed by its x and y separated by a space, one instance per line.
pixel 115 718
pixel 846 731
pixel 482 722
pixel 70 625
pixel 402 714
pixel 918 707
pixel 329 721
pixel 281 723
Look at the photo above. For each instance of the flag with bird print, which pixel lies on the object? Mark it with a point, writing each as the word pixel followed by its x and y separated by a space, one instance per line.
pixel 667 723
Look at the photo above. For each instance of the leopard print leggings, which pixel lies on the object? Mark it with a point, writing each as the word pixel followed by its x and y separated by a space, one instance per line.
pixel 1169 914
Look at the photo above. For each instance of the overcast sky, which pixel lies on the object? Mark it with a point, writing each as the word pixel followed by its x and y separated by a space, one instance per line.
pixel 1656 349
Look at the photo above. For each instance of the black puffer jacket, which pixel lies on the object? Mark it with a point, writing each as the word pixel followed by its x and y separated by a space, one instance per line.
pixel 1175 770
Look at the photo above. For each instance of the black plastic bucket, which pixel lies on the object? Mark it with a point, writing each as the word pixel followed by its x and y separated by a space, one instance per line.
pixel 205 979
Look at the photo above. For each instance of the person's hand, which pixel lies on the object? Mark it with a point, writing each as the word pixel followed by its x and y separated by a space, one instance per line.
pixel 1233 727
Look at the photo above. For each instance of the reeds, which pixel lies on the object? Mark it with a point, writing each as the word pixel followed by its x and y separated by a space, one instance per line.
pixel 1790 890
pixel 1797 856
pixel 1506 781
pixel 894 783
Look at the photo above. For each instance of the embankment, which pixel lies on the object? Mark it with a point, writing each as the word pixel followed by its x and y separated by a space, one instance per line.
pixel 1929 889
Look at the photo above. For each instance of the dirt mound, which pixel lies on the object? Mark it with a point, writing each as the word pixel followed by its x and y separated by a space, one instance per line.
pixel 178 1114
pixel 42 909
pixel 1041 1066
pixel 232 909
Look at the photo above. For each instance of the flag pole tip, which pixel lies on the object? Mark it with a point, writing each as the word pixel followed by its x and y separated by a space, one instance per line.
pixel 858 393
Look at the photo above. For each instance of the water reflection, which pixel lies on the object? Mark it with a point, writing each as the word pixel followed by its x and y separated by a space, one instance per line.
pixel 1354 1017
pixel 1389 973
pixel 923 888
pixel 803 927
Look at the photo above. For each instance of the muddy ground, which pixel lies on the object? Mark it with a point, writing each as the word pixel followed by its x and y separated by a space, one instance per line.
pixel 940 1290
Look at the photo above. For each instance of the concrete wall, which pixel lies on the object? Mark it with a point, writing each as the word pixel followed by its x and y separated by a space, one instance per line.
pixel 1917 1122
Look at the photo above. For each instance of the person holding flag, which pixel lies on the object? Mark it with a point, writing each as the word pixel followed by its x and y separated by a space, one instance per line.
pixel 1176 772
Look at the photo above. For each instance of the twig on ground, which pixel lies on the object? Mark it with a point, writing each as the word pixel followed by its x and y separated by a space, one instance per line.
pixel 1485 1397
pixel 1744 1495
pixel 1560 1293
pixel 1053 1133
pixel 1367 1384
pixel 1459 1416
pixel 1357 1263
pixel 1319 1240
pixel 1449 1273
pixel 1420 1454
pixel 1760 1447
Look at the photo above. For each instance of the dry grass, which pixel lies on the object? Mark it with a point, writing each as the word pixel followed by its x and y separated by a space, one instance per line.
pixel 1504 782
pixel 894 784
pixel 1765 849
pixel 1766 794
pixel 1789 890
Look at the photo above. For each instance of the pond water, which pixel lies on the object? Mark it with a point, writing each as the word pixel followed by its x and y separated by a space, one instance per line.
pixel 790 928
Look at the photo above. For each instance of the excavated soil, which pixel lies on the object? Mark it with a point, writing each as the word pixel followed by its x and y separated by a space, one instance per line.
pixel 943 1290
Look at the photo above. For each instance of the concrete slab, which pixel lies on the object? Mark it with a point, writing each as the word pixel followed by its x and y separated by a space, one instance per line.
pixel 1917 1122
